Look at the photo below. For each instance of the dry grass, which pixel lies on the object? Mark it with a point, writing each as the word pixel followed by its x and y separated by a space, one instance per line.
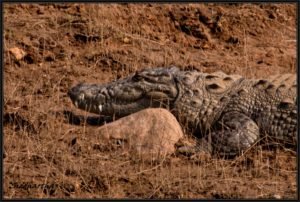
pixel 69 43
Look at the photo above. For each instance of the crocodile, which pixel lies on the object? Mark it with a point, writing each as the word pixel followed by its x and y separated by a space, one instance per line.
pixel 229 113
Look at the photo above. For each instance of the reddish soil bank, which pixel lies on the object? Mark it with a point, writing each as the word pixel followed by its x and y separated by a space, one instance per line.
pixel 50 47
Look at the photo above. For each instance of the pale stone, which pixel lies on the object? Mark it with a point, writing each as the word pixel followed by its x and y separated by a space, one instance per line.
pixel 17 53
pixel 151 132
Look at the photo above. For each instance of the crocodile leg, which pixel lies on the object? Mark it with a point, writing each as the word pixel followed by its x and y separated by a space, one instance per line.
pixel 202 145
pixel 233 134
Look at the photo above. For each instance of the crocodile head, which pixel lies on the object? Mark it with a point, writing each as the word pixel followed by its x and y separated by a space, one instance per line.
pixel 147 88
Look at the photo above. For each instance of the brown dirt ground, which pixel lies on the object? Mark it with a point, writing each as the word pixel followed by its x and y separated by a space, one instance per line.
pixel 47 155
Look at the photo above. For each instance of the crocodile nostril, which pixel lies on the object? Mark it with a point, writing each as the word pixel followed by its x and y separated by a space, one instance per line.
pixel 71 94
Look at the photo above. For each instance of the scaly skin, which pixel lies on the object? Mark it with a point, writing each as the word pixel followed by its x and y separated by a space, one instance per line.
pixel 229 111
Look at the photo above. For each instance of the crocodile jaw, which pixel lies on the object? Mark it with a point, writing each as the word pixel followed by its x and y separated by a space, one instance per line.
pixel 120 105
pixel 125 96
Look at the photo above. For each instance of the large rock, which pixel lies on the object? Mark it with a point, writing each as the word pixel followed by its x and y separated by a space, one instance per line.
pixel 150 132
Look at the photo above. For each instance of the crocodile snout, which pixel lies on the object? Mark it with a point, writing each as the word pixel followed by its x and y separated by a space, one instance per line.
pixel 72 94
pixel 76 94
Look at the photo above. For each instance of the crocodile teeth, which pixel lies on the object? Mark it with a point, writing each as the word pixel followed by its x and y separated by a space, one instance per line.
pixel 100 108
pixel 81 97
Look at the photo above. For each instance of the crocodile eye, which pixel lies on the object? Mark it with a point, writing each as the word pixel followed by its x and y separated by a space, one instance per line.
pixel 136 78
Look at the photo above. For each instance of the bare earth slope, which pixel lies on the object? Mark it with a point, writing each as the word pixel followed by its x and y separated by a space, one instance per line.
pixel 53 150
